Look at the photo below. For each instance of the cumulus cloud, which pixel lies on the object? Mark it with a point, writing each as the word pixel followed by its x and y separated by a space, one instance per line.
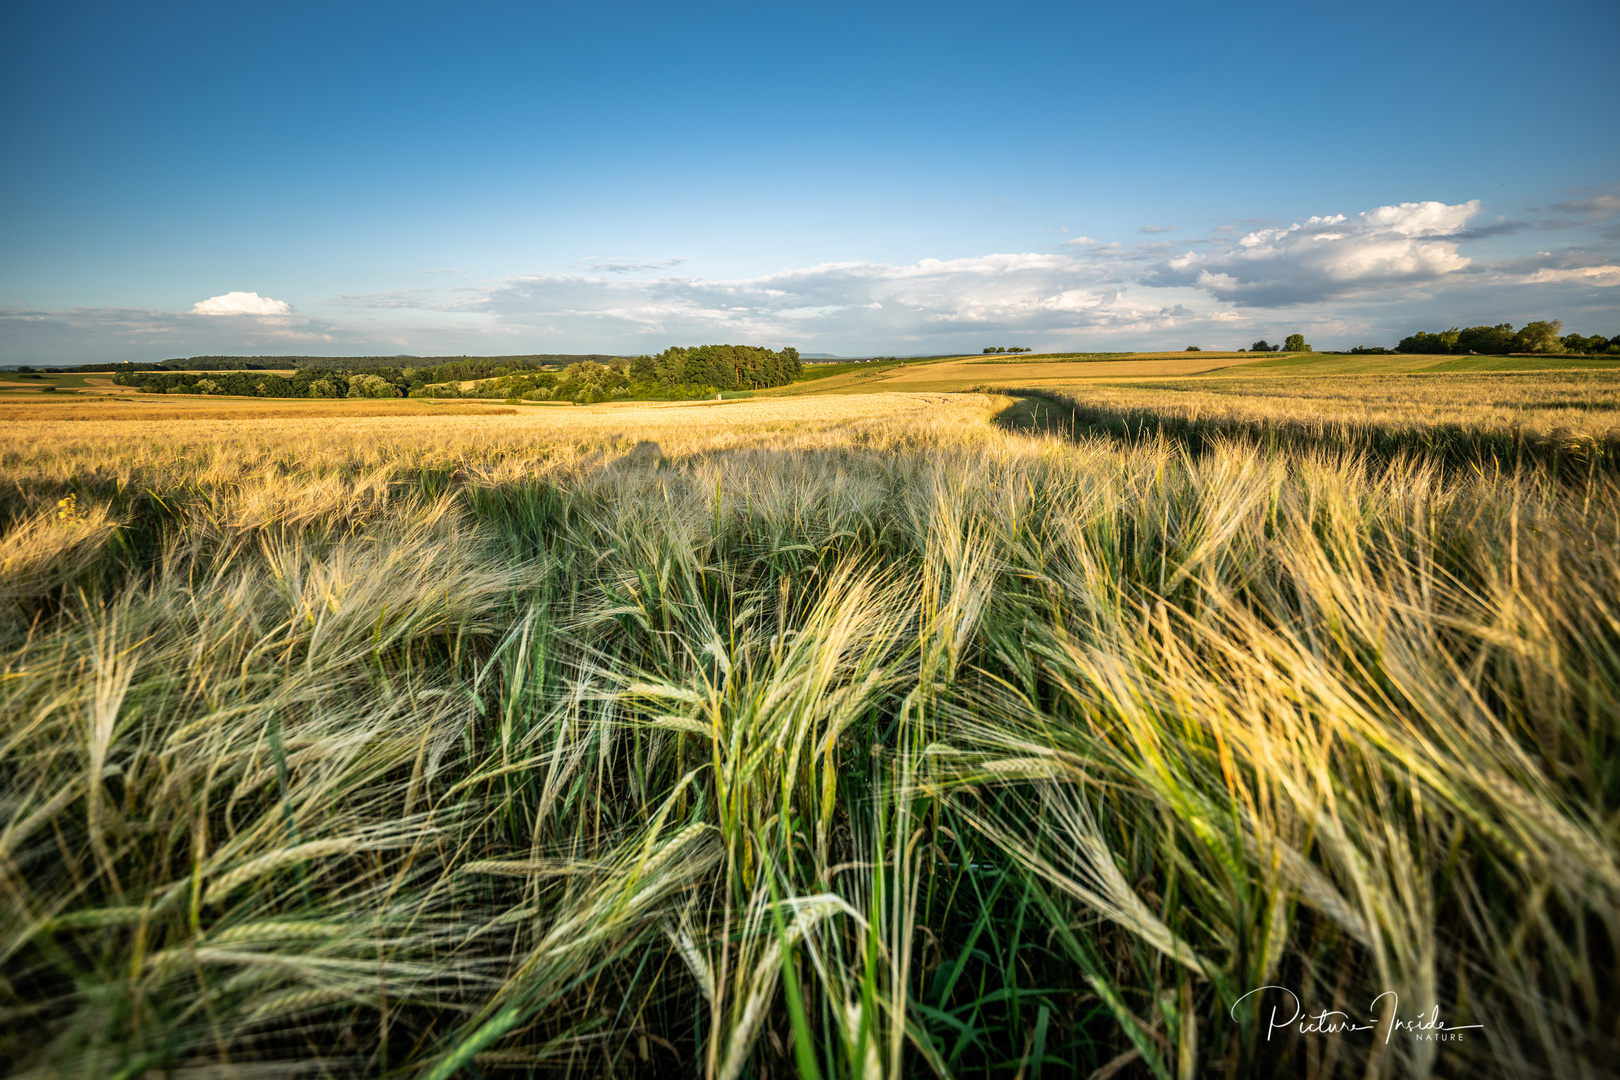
pixel 1328 257
pixel 241 303
pixel 1582 275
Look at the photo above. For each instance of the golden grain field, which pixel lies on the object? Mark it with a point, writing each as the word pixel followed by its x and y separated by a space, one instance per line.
pixel 166 409
pixel 877 734
pixel 1576 401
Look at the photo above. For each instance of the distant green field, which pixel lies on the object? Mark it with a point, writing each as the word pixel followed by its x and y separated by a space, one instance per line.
pixel 1527 363
pixel 1319 364
pixel 12 382
pixel 813 372
pixel 1051 358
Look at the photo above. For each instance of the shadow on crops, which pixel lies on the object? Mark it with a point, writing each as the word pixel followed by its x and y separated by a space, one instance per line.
pixel 1570 457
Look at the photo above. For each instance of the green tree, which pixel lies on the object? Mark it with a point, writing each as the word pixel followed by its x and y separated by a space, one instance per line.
pixel 1541 336
pixel 371 386
pixel 1261 346
pixel 724 367
pixel 1486 339
pixel 1581 344
pixel 1295 343
pixel 1425 342
pixel 588 382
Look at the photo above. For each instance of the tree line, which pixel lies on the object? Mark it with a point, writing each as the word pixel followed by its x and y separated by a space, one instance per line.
pixel 674 373
pixel 459 367
pixel 307 383
pixel 1541 336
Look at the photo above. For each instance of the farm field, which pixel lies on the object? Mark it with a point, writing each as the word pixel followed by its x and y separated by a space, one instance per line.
pixel 1474 409
pixel 42 409
pixel 972 372
pixel 1580 399
pixel 23 384
pixel 1032 372
pixel 1464 417
pixel 880 733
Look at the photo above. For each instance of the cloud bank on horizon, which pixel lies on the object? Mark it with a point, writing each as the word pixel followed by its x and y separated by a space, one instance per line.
pixel 1368 276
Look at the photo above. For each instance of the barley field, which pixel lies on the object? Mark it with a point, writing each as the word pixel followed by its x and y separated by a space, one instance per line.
pixel 39 414
pixel 1566 420
pixel 845 736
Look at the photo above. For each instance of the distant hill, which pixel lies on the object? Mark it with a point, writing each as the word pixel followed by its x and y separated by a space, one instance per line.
pixel 829 358
pixel 273 363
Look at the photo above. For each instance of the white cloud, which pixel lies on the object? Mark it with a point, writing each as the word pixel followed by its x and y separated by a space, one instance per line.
pixel 1327 257
pixel 630 266
pixel 1087 242
pixel 1584 275
pixel 241 303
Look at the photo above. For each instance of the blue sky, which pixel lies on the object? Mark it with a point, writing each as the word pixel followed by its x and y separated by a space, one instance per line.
pixel 854 179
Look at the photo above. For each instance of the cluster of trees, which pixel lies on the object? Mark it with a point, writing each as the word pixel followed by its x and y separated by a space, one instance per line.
pixel 586 383
pixel 1541 336
pixel 1294 343
pixel 1005 349
pixel 721 367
